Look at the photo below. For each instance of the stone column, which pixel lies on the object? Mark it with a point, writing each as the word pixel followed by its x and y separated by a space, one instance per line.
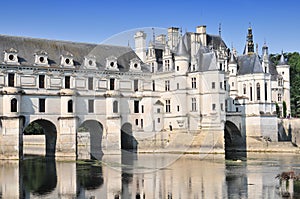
pixel 66 138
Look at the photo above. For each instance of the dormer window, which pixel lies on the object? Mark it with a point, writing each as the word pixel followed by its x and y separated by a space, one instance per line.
pixel 112 63
pixel 11 56
pixel 67 60
pixel 41 58
pixel 135 64
pixel 90 62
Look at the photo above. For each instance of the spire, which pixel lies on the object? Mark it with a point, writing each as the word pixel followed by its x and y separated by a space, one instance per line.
pixel 181 49
pixel 282 59
pixel 232 59
pixel 250 44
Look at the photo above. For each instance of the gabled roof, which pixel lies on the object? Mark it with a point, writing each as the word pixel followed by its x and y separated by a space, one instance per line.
pixel 27 47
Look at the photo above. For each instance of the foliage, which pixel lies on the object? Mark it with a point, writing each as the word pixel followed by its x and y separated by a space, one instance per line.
pixel 277 110
pixel 284 109
pixel 34 129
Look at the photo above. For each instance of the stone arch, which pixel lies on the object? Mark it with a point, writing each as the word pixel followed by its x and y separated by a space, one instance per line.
pixel 47 128
pixel 235 143
pixel 128 141
pixel 95 129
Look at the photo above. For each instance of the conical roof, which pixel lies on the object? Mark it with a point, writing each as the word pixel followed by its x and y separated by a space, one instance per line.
pixel 181 49
pixel 282 60
pixel 232 59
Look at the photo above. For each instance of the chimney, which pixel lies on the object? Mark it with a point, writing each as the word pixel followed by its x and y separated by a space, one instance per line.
pixel 140 44
pixel 173 35
pixel 201 30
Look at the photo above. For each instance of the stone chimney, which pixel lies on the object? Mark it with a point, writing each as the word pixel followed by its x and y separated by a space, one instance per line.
pixel 201 30
pixel 140 44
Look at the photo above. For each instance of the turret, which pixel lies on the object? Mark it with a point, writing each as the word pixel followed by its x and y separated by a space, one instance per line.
pixel 249 48
pixel 265 56
pixel 182 58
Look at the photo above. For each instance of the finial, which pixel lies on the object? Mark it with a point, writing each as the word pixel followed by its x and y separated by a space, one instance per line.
pixel 220 29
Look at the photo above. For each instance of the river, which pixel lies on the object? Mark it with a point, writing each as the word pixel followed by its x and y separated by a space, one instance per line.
pixel 151 176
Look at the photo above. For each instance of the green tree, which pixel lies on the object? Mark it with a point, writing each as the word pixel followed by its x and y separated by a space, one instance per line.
pixel 284 109
pixel 277 110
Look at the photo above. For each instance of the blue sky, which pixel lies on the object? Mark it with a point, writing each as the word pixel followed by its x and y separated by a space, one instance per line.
pixel 273 21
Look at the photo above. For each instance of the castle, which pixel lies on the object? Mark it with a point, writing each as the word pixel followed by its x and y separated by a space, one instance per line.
pixel 178 85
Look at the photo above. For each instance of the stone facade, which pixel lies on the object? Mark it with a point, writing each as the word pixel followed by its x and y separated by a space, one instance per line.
pixel 182 86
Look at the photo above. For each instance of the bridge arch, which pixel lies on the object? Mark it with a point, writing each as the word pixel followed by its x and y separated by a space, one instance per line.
pixel 46 128
pixel 128 141
pixel 95 129
pixel 235 142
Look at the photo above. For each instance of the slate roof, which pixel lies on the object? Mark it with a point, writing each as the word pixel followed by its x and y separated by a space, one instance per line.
pixel 249 64
pixel 27 47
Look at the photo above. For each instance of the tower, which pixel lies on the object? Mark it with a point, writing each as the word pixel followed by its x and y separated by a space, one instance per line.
pixel 140 44
pixel 250 44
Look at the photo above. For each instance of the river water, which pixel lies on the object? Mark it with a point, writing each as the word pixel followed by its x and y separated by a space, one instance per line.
pixel 151 176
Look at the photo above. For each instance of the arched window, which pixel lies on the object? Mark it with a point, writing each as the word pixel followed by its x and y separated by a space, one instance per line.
pixel 115 107
pixel 258 91
pixel 70 106
pixel 244 89
pixel 14 105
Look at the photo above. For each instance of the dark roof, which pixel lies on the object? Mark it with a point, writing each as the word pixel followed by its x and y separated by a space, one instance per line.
pixel 215 41
pixel 273 71
pixel 27 47
pixel 249 64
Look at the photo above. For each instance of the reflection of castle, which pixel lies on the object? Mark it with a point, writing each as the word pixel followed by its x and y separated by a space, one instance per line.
pixel 183 83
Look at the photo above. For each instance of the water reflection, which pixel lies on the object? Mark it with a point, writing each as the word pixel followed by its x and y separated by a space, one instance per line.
pixel 188 177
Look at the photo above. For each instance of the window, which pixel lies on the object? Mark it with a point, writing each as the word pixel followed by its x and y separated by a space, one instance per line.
pixel 213 85
pixel 41 81
pixel 14 105
pixel 142 123
pixel 167 85
pixel 178 108
pixel 115 107
pixel 158 120
pixel 158 110
pixel 70 106
pixel 236 109
pixel 136 122
pixel 167 65
pixel 91 106
pixel 194 83
pixel 279 97
pixel 11 79
pixel 153 85
pixel 142 108
pixel 136 106
pixel 194 107
pixel 112 84
pixel 177 86
pixel 136 85
pixel 266 91
pixel 280 81
pixel 244 89
pixel 226 105
pixel 67 81
pixel 193 67
pixel 222 107
pixel 225 85
pixel 152 64
pixel 221 66
pixel 90 83
pixel 213 107
pixel 221 85
pixel 168 106
pixel 258 91
pixel 41 105
pixel 251 92
pixel 177 68
pixel 232 84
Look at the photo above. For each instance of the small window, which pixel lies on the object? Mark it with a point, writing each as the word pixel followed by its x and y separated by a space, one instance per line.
pixel 194 82
pixel 136 85
pixel 41 81
pixel 258 91
pixel 14 105
pixel 11 79
pixel 177 86
pixel 41 105
pixel 167 85
pixel 222 108
pixel 168 106
pixel 177 68
pixel 136 106
pixel 158 110
pixel 112 84
pixel 70 106
pixel 221 85
pixel 225 85
pixel 266 91
pixel 213 107
pixel 194 107
pixel 90 83
pixel 279 97
pixel 213 85
pixel 244 89
pixel 237 109
pixel 232 84
pixel 91 106
pixel 142 107
pixel 178 108
pixel 67 81
pixel 158 120
pixel 136 122
pixel 115 107
pixel 153 85
pixel 221 66
pixel 142 123
pixel 251 93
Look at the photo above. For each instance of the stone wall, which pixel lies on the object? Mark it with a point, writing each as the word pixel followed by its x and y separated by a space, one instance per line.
pixel 289 130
